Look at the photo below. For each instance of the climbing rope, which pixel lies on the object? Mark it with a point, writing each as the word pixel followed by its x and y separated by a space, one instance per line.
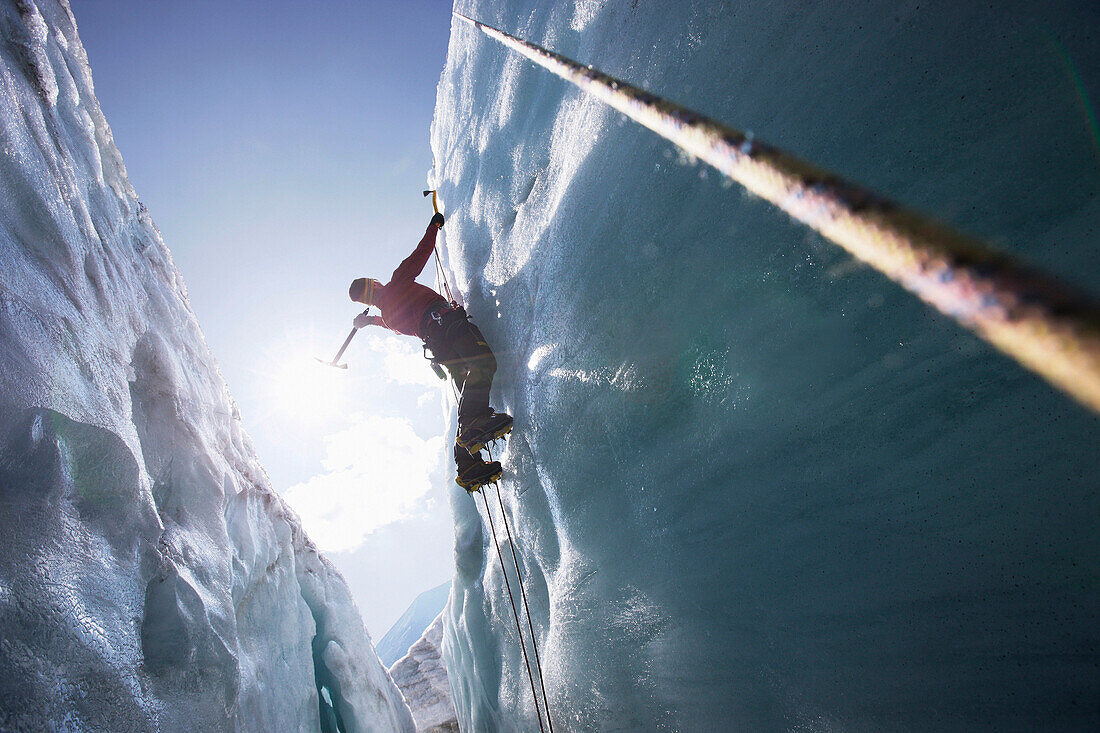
pixel 515 614
pixel 440 275
pixel 1037 321
pixel 523 595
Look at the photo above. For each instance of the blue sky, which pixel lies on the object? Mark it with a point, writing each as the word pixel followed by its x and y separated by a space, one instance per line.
pixel 282 148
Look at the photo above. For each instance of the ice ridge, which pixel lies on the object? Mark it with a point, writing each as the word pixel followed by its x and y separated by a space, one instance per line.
pixel 150 578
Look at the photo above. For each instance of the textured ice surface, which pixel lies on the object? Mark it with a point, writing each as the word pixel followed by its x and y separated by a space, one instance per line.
pixel 149 577
pixel 755 486
pixel 423 680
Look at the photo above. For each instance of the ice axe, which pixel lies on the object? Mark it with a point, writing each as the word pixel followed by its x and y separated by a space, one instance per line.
pixel 340 353
pixel 435 200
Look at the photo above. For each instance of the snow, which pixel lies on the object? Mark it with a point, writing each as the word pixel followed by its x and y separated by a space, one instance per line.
pixel 150 578
pixel 751 485
pixel 422 677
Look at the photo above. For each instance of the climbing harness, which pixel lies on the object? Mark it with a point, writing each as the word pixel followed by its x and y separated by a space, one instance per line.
pixel 512 601
pixel 1030 317
pixel 434 315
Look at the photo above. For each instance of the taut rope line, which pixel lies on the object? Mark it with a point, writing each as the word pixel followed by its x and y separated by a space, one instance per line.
pixel 1038 322
pixel 440 274
pixel 523 596
pixel 515 614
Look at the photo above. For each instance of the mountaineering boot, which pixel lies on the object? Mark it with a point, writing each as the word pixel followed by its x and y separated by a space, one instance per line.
pixel 484 430
pixel 478 474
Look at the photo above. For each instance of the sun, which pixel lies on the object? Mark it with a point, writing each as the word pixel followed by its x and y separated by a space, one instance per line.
pixel 304 399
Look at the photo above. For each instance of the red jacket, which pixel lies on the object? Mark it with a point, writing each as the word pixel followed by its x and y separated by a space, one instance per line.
pixel 404 302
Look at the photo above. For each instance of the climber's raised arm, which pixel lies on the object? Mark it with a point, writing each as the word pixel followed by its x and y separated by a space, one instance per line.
pixel 414 263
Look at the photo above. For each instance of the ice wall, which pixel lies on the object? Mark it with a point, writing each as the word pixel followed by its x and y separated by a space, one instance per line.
pixel 149 576
pixel 753 485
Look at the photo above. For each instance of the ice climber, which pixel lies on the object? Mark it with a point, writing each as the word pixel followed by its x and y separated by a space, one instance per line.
pixel 412 309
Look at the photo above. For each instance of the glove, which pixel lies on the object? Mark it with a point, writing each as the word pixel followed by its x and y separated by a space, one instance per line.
pixel 363 320
pixel 437 220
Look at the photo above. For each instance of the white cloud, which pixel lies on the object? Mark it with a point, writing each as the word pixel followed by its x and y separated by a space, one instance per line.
pixel 377 471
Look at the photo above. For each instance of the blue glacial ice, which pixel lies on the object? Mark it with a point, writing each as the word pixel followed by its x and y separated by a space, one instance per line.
pixel 150 579
pixel 753 485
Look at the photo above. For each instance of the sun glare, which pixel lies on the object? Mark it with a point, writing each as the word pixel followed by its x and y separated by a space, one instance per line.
pixel 375 469
pixel 306 388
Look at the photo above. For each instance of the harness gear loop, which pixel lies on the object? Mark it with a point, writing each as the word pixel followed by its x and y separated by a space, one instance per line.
pixel 436 366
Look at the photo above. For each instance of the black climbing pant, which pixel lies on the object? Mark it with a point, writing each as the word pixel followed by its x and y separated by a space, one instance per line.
pixel 459 346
